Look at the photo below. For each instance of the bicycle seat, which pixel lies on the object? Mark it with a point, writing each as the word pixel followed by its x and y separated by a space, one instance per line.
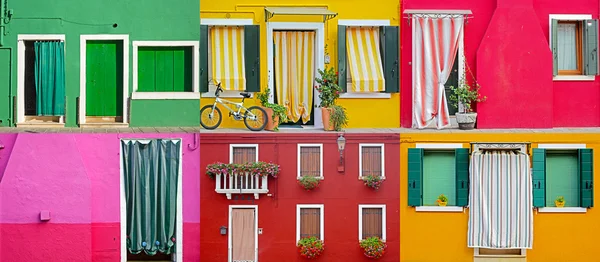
pixel 245 95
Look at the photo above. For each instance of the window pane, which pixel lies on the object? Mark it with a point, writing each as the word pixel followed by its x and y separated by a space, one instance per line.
pixel 243 155
pixel 372 219
pixel 371 160
pixel 310 222
pixel 567 46
pixel 562 178
pixel 310 161
pixel 438 177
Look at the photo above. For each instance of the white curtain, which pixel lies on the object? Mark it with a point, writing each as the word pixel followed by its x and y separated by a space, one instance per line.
pixel 500 201
pixel 567 47
pixel 436 46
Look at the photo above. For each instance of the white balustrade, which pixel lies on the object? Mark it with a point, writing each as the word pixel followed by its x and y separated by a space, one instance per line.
pixel 234 183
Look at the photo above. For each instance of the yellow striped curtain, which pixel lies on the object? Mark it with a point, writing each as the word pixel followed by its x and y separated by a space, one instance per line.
pixel 227 49
pixel 364 59
pixel 295 72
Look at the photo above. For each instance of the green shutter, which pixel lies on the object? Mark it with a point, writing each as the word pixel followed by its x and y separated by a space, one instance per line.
pixel 539 177
pixel 586 174
pixel 554 46
pixel 252 57
pixel 590 47
pixel 342 58
pixel 203 58
pixel 415 175
pixel 462 176
pixel 389 39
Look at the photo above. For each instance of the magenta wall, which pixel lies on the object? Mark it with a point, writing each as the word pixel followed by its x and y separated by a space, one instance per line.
pixel 76 178
pixel 545 104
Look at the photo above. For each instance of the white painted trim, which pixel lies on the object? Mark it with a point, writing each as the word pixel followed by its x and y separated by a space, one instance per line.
pixel 567 17
pixel 229 240
pixel 364 22
pixel 232 146
pixel 562 146
pixel 439 145
pixel 21 68
pixel 438 209
pixel 319 59
pixel 351 95
pixel 573 78
pixel 223 21
pixel 562 210
pixel 321 176
pixel 523 253
pixel 360 148
pixel 165 95
pixel 122 206
pixel 383 220
pixel 83 70
pixel 322 218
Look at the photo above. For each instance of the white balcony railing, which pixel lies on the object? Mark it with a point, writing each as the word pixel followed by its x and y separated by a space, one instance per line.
pixel 234 183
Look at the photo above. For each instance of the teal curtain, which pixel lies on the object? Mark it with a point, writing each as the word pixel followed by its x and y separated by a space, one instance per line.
pixel 151 168
pixel 50 78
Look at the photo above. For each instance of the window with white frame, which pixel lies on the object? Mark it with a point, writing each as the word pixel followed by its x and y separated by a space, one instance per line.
pixel 371 221
pixel 310 160
pixel 372 160
pixel 243 153
pixel 310 221
pixel 574 45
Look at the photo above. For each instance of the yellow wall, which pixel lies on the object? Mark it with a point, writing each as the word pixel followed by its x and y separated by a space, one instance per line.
pixel 362 112
pixel 443 236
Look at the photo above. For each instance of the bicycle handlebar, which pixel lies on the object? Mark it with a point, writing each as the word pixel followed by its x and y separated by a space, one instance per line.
pixel 219 90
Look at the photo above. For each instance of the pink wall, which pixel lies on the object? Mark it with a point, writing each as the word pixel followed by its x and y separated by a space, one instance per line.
pixel 531 101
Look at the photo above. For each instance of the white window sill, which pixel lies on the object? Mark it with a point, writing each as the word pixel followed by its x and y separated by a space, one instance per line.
pixel 225 94
pixel 165 95
pixel 562 210
pixel 319 178
pixel 574 78
pixel 438 209
pixel 363 178
pixel 365 95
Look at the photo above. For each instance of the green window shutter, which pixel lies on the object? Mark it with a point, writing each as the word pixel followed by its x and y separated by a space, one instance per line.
pixel 415 172
pixel 146 70
pixel 590 47
pixel 252 57
pixel 389 38
pixel 554 46
pixel 586 174
pixel 462 176
pixel 203 58
pixel 539 177
pixel 342 58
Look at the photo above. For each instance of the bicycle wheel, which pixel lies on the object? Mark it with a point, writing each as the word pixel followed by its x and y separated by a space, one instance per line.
pixel 255 118
pixel 210 119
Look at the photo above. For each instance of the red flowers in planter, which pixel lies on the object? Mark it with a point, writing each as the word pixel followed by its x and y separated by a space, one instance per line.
pixel 373 247
pixel 309 182
pixel 373 181
pixel 311 247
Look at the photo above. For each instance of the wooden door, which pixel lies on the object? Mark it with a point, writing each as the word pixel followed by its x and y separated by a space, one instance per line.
pixel 104 78
pixel 243 235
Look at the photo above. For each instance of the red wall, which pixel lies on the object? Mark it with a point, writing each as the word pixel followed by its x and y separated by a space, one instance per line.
pixel 340 193
pixel 514 98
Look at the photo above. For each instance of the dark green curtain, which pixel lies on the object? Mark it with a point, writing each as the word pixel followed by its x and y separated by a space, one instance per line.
pixel 151 168
pixel 50 78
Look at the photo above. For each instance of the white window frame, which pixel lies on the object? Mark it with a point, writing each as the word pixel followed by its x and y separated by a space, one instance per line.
pixel 21 70
pixel 83 70
pixel 233 146
pixel 195 94
pixel 360 163
pixel 383 220
pixel 322 219
pixel 568 17
pixel 523 253
pixel 229 233
pixel 439 146
pixel 299 160
pixel 357 23
pixel 562 209
pixel 221 22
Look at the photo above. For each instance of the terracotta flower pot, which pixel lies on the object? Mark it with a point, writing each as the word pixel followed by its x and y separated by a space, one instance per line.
pixel 559 204
pixel 326 115
pixel 271 123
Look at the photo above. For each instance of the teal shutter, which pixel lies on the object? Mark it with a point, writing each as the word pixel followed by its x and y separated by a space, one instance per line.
pixel 554 45
pixel 389 38
pixel 462 176
pixel 203 58
pixel 50 78
pixel 590 47
pixel 415 176
pixel 539 177
pixel 252 57
pixel 586 174
pixel 342 58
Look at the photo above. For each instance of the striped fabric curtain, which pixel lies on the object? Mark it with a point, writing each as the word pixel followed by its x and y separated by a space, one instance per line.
pixel 227 49
pixel 295 73
pixel 436 46
pixel 501 201
pixel 364 59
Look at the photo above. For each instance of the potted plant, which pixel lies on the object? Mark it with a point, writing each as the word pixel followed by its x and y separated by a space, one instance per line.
pixel 276 114
pixel 373 247
pixel 309 182
pixel 259 168
pixel 329 91
pixel 442 200
pixel 372 181
pixel 560 201
pixel 465 95
pixel 338 118
pixel 311 247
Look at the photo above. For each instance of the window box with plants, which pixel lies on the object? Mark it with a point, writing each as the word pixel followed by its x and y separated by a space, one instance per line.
pixel 309 182
pixel 276 114
pixel 442 200
pixel 465 95
pixel 311 247
pixel 373 247
pixel 334 116
pixel 373 181
pixel 249 178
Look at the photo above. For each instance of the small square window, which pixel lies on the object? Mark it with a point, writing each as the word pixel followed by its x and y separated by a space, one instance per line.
pixel 242 154
pixel 372 160
pixel 372 221
pixel 439 176
pixel 310 160
pixel 569 48
pixel 309 221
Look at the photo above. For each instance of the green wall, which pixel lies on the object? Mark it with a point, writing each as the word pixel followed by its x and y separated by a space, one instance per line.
pixel 150 20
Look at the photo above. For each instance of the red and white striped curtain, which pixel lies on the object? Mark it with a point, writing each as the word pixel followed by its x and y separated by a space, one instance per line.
pixel 436 46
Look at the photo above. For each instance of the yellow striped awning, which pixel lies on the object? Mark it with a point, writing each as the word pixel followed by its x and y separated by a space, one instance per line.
pixel 227 50
pixel 364 59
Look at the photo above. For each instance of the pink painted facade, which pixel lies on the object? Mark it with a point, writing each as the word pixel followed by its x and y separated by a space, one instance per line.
pixel 76 178
pixel 506 46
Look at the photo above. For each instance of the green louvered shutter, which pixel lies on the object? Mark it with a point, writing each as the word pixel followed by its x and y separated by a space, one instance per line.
pixel 415 176
pixel 389 38
pixel 252 57
pixel 203 58
pixel 590 47
pixel 462 176
pixel 586 174
pixel 342 58
pixel 539 177
pixel 554 45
